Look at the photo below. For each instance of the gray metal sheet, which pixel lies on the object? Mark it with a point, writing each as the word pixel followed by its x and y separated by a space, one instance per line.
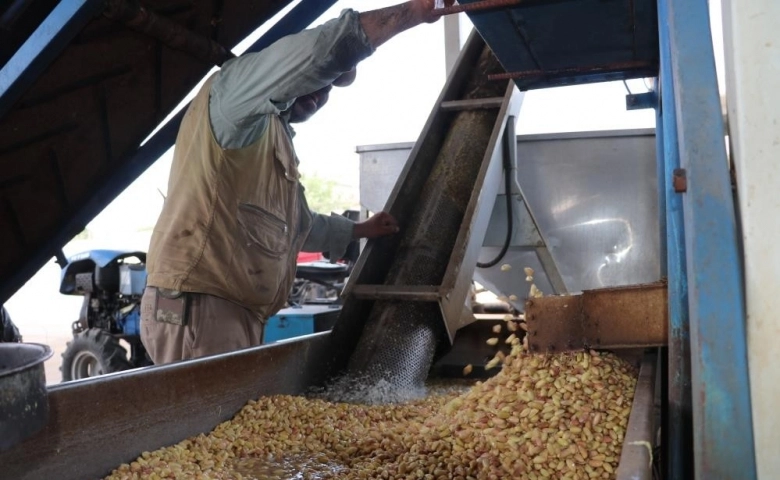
pixel 595 199
pixel 593 194
pixel 380 167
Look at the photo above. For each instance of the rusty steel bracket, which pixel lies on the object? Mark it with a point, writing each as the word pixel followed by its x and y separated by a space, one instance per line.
pixel 584 70
pixel 621 317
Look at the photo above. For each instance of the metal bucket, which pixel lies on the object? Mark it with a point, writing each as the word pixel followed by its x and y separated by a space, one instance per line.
pixel 24 406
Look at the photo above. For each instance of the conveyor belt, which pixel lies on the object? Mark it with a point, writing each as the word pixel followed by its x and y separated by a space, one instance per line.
pixel 98 423
pixel 410 291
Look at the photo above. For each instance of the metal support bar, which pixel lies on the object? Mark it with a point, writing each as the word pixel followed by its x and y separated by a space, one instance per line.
pixel 621 317
pixel 61 259
pixel 679 429
pixel 551 270
pixel 640 101
pixel 420 293
pixel 479 6
pixel 170 33
pixel 472 104
pixel 540 246
pixel 296 20
pixel 487 5
pixel 636 458
pixel 722 418
pixel 613 67
pixel 43 46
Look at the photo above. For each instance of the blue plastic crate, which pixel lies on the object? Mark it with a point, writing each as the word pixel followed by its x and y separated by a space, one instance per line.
pixel 296 321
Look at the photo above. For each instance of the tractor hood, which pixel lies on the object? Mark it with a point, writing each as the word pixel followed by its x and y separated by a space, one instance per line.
pixel 79 93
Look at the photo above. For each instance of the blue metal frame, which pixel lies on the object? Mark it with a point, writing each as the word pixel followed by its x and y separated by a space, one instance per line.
pixel 301 16
pixel 723 427
pixel 679 425
pixel 550 35
pixel 296 20
pixel 43 46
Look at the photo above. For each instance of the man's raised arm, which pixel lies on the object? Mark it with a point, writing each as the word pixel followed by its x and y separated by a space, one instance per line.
pixel 382 24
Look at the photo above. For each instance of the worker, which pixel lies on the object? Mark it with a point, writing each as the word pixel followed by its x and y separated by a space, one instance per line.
pixel 222 255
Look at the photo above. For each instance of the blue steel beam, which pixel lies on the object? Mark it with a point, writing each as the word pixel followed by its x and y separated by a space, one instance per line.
pixel 722 421
pixel 43 46
pixel 679 439
pixel 301 16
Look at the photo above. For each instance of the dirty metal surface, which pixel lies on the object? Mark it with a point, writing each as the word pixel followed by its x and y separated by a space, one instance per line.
pixel 23 405
pixel 622 317
pixel 96 424
pixel 554 43
pixel 636 458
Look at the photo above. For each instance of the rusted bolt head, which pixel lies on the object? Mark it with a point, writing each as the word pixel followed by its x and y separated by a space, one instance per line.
pixel 680 180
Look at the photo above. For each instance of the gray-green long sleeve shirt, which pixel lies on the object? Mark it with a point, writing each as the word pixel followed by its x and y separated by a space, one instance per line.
pixel 253 86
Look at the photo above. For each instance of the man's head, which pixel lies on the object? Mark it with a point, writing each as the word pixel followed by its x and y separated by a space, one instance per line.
pixel 307 105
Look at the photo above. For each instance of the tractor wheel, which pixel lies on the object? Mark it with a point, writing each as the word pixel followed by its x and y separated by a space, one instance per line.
pixel 91 353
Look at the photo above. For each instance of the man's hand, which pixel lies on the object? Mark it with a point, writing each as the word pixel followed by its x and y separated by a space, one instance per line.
pixel 424 9
pixel 379 225
pixel 381 25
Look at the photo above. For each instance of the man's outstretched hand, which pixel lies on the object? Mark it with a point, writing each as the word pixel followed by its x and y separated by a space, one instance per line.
pixel 424 9
pixel 378 225
pixel 382 24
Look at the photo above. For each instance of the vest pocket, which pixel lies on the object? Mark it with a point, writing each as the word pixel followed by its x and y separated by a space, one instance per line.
pixel 264 230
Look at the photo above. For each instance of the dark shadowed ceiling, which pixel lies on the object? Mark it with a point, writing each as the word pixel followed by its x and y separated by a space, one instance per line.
pixel 86 114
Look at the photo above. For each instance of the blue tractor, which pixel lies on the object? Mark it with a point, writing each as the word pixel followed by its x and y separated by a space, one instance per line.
pixel 111 282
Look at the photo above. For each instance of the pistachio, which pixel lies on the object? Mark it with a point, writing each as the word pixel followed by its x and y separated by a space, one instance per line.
pixel 534 419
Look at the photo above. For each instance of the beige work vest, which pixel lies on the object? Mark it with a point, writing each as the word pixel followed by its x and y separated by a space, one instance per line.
pixel 234 220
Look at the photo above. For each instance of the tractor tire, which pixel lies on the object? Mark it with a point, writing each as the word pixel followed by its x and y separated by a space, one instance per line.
pixel 93 352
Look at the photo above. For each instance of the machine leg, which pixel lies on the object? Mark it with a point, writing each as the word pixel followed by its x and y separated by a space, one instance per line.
pixel 722 419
